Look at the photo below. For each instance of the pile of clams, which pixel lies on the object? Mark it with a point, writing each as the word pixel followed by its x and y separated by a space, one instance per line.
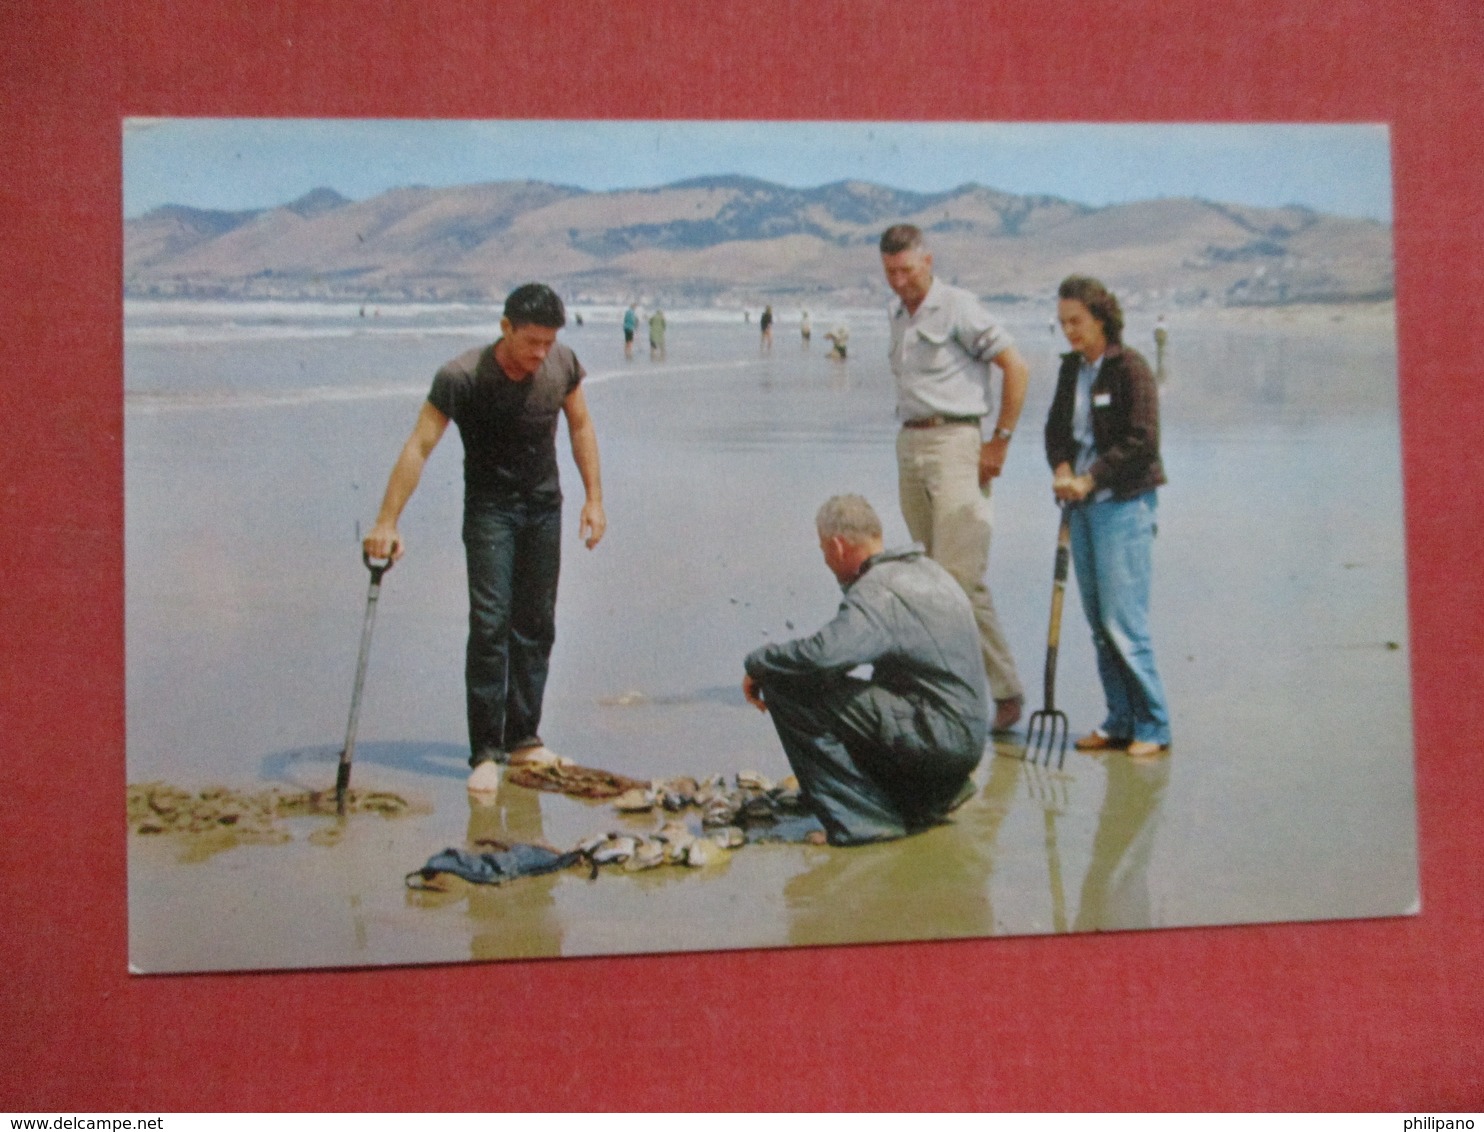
pixel 752 798
pixel 726 812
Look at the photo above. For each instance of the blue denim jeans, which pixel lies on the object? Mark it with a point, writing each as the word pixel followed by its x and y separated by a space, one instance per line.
pixel 1112 543
pixel 514 554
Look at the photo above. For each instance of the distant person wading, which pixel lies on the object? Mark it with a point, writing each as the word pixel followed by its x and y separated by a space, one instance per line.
pixel 657 335
pixel 630 324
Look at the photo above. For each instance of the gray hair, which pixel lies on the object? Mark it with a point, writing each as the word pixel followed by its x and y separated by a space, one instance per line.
pixel 900 238
pixel 849 517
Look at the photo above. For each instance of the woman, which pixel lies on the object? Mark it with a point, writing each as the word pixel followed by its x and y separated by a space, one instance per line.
pixel 1102 442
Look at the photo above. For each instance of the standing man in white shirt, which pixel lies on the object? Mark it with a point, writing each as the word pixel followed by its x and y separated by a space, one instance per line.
pixel 943 344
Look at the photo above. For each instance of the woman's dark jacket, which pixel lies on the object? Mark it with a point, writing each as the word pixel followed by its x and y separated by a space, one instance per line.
pixel 1125 422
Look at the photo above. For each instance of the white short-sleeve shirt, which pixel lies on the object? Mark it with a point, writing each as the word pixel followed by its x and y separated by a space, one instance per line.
pixel 940 354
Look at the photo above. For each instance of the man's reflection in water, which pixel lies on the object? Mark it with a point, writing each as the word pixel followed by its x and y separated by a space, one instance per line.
pixel 516 920
pixel 931 885
pixel 1115 892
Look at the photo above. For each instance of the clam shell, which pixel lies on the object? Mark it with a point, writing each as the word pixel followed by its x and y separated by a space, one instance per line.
pixel 615 850
pixel 702 852
pixel 587 845
pixel 788 800
pixel 719 814
pixel 637 800
pixel 647 855
pixel 759 807
pixel 729 837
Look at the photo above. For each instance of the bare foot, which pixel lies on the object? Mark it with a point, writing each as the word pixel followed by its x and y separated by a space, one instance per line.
pixel 538 756
pixel 484 780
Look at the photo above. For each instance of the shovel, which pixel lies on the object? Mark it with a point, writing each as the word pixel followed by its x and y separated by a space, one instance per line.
pixel 342 775
pixel 1047 730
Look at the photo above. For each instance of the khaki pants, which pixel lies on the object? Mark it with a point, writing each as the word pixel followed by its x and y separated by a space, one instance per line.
pixel 938 479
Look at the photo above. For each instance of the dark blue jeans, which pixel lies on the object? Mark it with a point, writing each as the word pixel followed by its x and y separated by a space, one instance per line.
pixel 514 554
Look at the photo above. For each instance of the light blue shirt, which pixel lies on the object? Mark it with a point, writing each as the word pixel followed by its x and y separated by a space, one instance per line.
pixel 1087 449
pixel 940 354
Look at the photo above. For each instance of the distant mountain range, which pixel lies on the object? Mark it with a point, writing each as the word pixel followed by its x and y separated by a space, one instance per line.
pixel 739 241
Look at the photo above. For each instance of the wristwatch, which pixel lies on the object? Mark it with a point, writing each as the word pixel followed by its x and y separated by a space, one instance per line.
pixel 1003 433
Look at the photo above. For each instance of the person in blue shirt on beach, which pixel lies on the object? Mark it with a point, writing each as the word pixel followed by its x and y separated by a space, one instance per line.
pixel 630 324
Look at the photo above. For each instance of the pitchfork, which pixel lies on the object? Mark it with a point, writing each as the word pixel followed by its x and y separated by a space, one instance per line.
pixel 1047 730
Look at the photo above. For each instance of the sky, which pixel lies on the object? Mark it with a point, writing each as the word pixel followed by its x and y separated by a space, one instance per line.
pixel 238 164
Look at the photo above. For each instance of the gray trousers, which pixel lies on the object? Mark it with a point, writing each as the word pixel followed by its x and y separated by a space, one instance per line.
pixel 938 481
pixel 872 765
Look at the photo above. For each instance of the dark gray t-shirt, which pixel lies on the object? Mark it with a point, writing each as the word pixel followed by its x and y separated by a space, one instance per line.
pixel 508 427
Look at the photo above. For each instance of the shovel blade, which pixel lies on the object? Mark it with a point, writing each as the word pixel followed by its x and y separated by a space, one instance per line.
pixel 342 783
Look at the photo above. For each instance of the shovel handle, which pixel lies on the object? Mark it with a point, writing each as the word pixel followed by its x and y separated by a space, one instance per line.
pixel 342 774
pixel 379 568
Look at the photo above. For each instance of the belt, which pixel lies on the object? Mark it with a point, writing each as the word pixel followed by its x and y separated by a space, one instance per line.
pixel 938 421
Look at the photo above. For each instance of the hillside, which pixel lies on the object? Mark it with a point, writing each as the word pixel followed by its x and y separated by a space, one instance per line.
pixel 738 240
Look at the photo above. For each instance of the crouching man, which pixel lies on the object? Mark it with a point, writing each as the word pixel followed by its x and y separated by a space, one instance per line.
pixel 886 756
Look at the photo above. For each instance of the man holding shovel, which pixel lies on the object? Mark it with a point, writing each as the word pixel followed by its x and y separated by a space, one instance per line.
pixel 505 399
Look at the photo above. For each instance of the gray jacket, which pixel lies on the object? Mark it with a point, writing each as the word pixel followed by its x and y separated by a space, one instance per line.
pixel 907 618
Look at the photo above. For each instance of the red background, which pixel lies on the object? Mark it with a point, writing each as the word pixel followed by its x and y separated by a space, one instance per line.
pixel 1366 1015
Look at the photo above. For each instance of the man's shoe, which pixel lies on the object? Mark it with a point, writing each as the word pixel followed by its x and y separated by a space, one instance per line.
pixel 1145 749
pixel 1007 712
pixel 1097 741
pixel 485 778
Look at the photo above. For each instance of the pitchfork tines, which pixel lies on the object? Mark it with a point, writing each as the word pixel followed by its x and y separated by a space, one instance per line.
pixel 1047 730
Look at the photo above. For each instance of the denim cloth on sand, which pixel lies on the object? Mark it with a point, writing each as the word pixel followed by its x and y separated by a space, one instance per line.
pixel 519 860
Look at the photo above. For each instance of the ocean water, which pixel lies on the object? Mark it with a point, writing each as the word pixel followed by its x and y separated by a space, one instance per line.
pixel 258 440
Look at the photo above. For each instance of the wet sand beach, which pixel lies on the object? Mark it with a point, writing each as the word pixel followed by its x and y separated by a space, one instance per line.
pixel 258 441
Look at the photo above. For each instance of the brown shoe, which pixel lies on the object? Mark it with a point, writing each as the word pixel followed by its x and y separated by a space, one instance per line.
pixel 1007 713
pixel 1097 741
pixel 1144 749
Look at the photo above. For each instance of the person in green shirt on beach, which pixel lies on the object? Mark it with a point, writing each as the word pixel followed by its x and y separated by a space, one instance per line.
pixel 657 334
